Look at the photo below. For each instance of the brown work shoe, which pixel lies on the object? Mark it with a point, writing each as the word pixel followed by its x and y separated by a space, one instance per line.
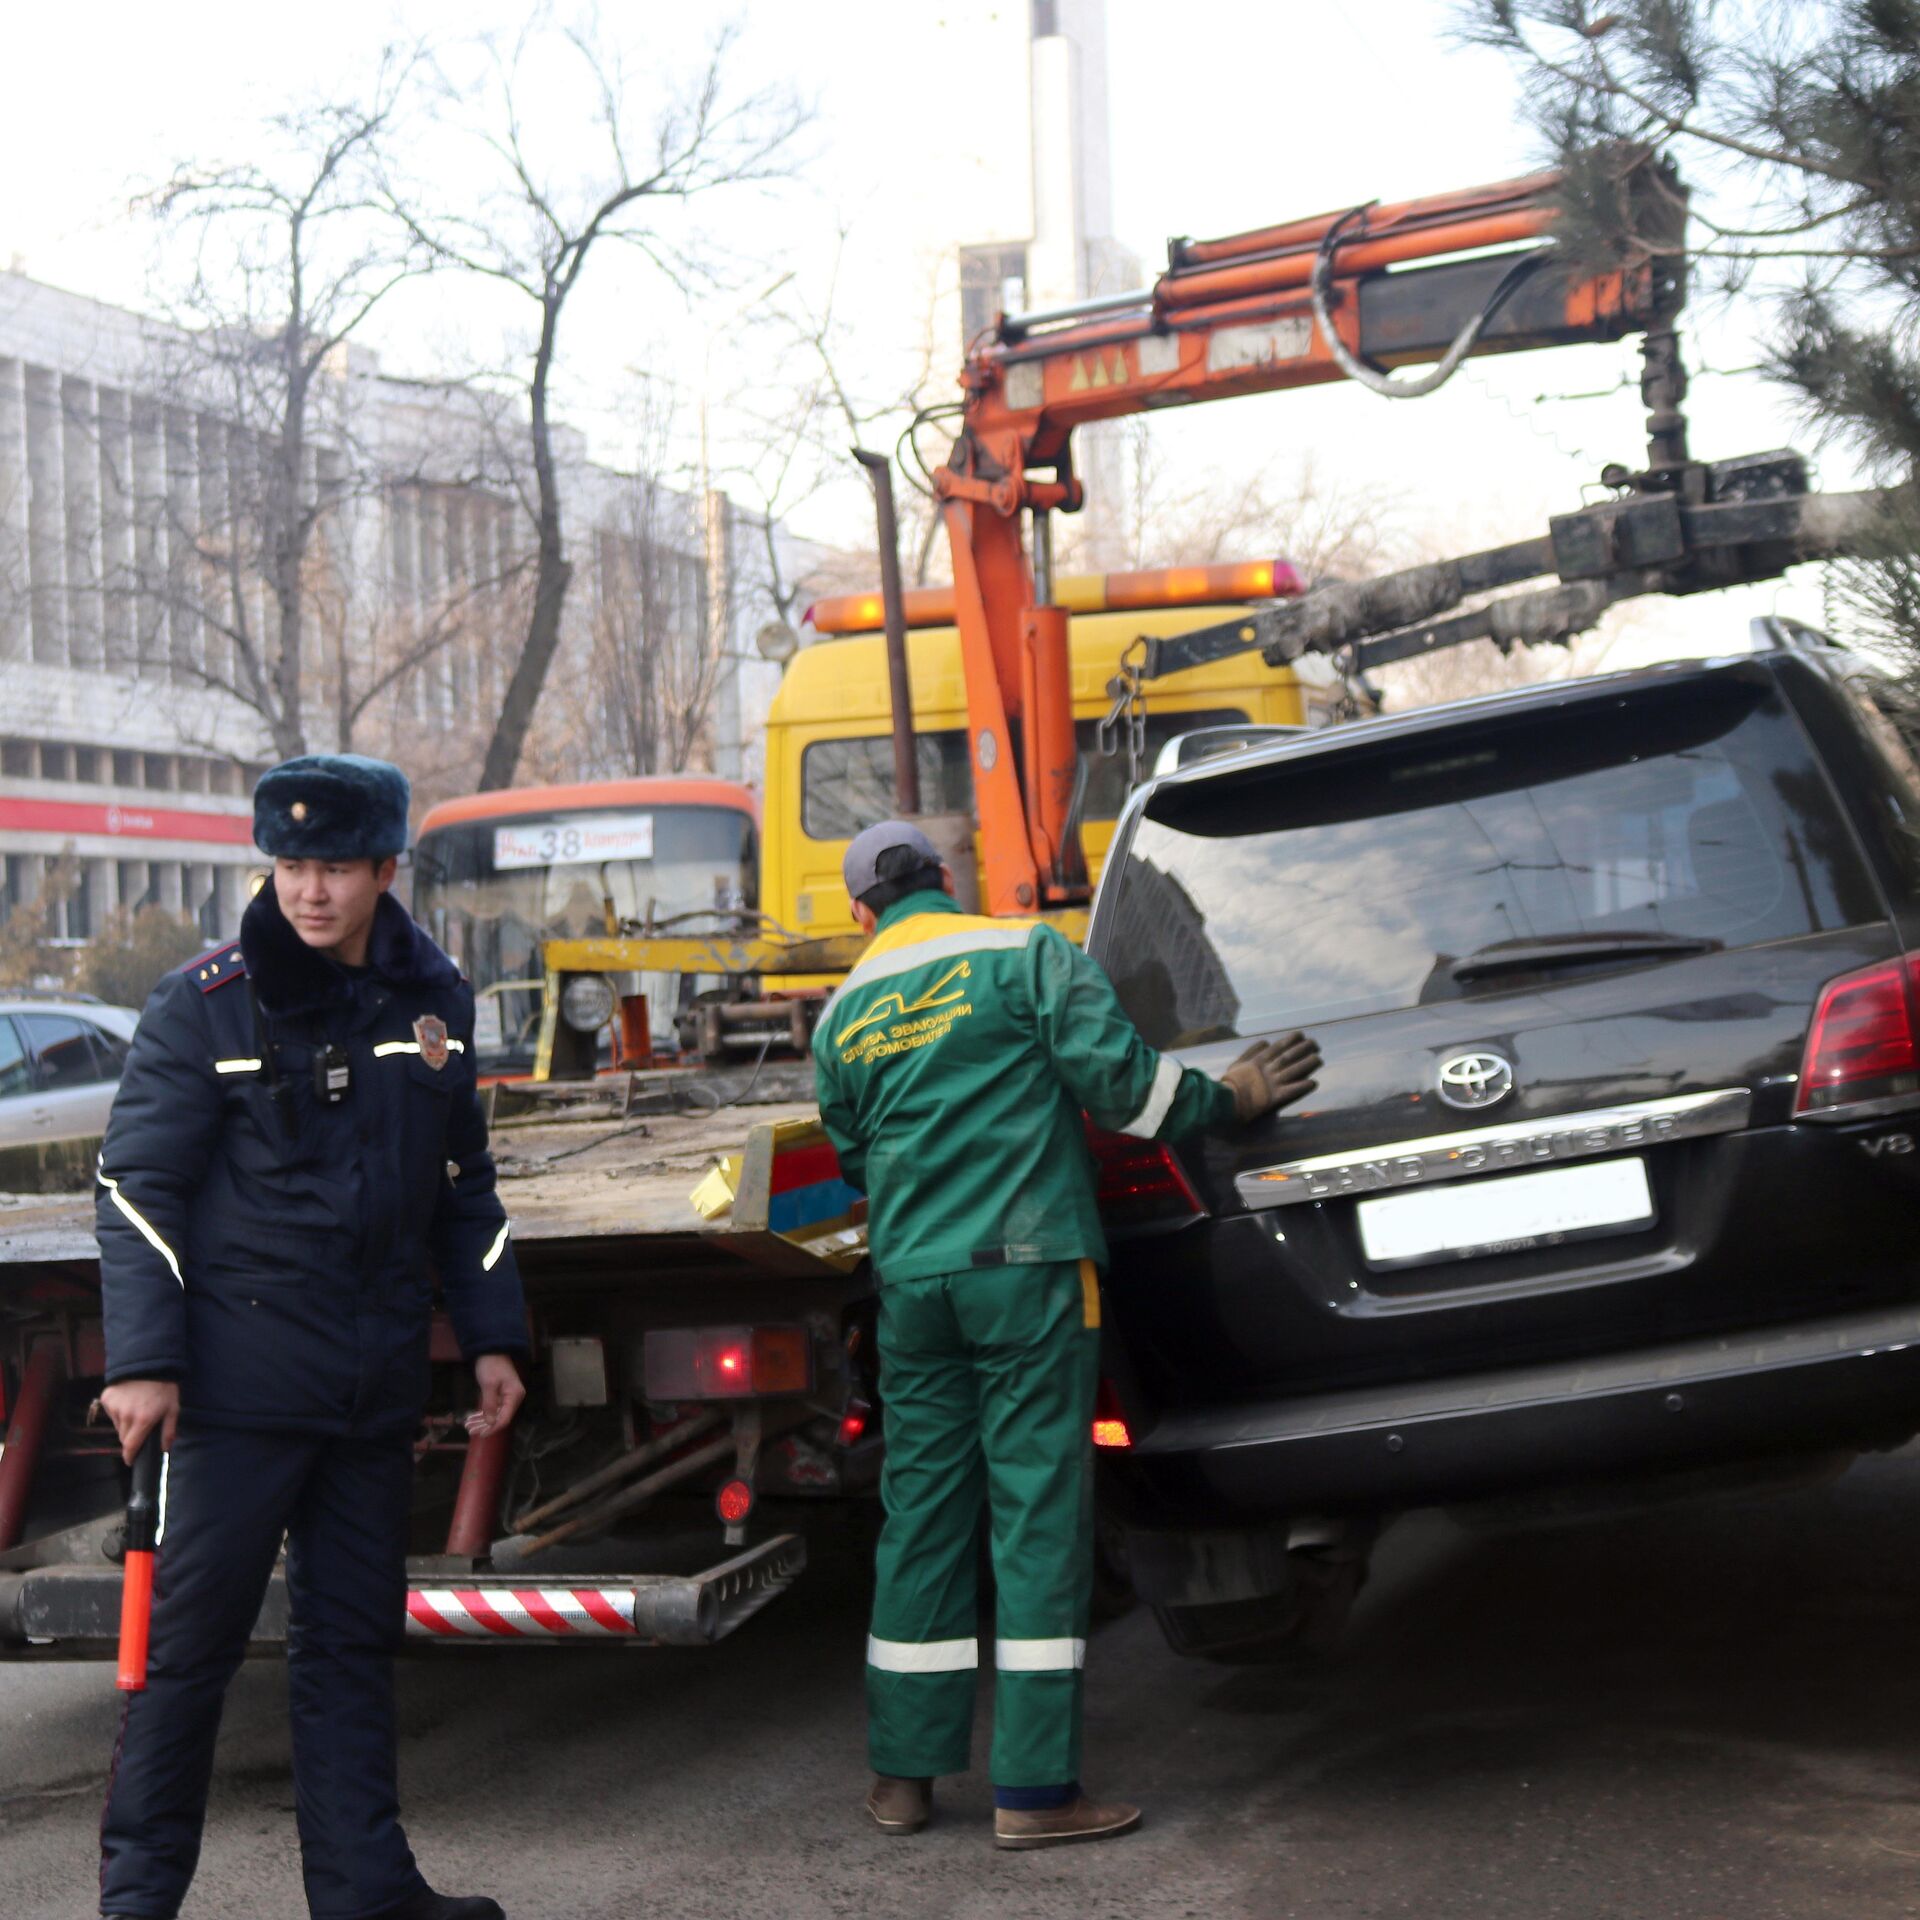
pixel 900 1806
pixel 1081 1819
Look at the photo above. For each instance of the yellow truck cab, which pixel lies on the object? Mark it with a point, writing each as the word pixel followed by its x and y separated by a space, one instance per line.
pixel 829 769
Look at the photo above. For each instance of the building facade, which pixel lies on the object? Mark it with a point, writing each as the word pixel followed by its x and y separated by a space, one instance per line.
pixel 140 643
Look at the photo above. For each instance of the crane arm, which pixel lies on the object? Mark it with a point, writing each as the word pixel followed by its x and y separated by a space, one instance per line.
pixel 1341 295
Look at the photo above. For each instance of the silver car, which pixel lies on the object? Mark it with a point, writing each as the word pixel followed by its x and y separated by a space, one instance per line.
pixel 60 1062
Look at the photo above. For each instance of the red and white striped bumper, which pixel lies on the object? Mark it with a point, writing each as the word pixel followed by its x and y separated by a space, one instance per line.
pixel 520 1613
pixel 691 1610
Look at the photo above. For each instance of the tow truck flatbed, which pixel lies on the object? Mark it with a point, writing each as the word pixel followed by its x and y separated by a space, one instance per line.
pixel 599 1181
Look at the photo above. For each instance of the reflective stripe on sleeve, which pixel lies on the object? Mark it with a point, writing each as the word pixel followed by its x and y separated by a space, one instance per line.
pixel 1039 1656
pixel 236 1066
pixel 140 1221
pixel 922 1656
pixel 1166 1083
pixel 498 1248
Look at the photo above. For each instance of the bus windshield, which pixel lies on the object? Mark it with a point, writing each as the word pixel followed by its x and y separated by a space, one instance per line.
pixel 492 891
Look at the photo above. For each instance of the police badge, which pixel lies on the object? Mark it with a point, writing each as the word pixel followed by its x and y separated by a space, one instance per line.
pixel 431 1033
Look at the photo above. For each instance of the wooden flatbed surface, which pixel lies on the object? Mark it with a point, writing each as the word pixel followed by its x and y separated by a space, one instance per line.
pixel 578 1177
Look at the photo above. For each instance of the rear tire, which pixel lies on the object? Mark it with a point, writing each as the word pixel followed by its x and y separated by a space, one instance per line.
pixel 1305 1619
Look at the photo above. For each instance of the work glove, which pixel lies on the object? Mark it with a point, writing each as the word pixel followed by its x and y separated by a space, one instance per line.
pixel 1272 1074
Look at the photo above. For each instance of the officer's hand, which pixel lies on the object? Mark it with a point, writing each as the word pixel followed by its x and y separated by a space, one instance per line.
pixel 1272 1074
pixel 500 1395
pixel 136 1407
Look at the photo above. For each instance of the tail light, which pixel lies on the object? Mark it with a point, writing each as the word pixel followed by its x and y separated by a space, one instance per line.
pixel 853 1423
pixel 1864 1045
pixel 1109 1421
pixel 1140 1181
pixel 726 1363
pixel 734 1502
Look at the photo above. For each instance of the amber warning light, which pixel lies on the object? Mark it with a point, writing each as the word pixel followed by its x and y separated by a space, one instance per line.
pixel 1081 593
pixel 1109 1422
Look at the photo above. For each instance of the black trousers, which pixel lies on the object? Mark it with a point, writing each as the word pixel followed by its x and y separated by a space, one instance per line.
pixel 342 1506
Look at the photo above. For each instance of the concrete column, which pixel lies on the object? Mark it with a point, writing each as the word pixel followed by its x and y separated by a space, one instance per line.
pixel 96 892
pixel 403 554
pixel 718 532
pixel 172 896
pixel 80 432
pixel 436 683
pixel 46 518
pixel 186 581
pixel 227 536
pixel 118 571
pixel 16 627
pixel 148 433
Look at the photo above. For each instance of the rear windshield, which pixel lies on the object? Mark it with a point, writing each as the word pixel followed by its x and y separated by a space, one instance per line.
pixel 1335 887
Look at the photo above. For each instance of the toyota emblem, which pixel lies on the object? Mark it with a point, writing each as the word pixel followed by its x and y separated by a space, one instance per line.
pixel 1475 1080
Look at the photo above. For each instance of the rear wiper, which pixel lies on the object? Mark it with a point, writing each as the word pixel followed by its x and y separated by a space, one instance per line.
pixel 1536 952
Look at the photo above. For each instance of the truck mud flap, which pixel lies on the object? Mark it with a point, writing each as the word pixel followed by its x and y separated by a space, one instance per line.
pixel 73 1611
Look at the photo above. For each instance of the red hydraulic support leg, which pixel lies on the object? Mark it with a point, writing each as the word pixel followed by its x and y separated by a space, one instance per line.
pixel 477 1505
pixel 28 1428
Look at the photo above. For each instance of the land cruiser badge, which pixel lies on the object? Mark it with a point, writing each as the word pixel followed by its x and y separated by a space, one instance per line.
pixel 431 1033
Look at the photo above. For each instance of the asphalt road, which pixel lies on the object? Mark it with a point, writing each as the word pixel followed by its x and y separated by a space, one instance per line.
pixel 1711 1711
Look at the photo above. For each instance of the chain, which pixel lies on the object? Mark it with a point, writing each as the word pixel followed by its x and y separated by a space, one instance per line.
pixel 1129 711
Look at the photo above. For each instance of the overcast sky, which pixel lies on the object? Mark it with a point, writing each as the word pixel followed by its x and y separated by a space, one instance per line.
pixel 1226 114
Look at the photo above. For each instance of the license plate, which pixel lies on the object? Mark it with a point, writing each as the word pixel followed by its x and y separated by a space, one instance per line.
pixel 1470 1217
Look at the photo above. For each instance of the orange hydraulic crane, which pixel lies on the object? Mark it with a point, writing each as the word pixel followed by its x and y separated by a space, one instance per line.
pixel 1342 295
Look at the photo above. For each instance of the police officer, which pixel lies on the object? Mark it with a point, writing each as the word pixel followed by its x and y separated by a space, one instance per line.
pixel 295 1148
pixel 954 1065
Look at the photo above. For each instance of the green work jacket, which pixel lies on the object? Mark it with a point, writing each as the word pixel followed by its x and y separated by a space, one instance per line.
pixel 954 1065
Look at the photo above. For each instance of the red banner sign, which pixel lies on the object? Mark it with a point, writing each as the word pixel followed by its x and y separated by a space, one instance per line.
pixel 124 822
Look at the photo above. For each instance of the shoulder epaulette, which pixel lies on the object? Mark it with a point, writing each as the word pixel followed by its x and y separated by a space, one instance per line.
pixel 215 969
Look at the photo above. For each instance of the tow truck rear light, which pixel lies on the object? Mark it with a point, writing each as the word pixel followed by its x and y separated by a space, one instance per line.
pixel 734 1502
pixel 726 1363
pixel 1864 1044
pixel 853 1423
pixel 1109 1422
pixel 1141 1181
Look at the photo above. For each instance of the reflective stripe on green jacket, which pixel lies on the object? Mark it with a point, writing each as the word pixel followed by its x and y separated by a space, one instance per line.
pixel 954 1064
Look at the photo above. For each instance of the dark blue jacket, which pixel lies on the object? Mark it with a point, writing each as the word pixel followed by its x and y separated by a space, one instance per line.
pixel 275 1254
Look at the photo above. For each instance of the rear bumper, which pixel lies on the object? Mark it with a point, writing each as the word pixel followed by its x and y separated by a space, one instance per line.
pixel 1851 1381
pixel 73 1611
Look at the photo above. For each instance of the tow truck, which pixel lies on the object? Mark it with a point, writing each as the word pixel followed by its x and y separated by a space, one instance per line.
pixel 700 1311
pixel 1357 295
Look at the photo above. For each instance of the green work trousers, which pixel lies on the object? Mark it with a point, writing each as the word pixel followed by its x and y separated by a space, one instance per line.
pixel 988 1378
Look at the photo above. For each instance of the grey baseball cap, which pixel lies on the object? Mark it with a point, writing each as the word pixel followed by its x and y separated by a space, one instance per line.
pixel 862 864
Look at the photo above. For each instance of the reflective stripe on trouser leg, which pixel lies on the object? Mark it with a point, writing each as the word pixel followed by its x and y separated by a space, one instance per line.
pixel 1037 1364
pixel 922 1654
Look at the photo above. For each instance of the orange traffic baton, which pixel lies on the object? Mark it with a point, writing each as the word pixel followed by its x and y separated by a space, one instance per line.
pixel 136 1591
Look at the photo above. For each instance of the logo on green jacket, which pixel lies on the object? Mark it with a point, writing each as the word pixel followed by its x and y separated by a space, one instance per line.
pixel 889 1026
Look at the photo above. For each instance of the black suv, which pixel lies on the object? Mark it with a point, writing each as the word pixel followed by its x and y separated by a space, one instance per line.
pixel 1612 1171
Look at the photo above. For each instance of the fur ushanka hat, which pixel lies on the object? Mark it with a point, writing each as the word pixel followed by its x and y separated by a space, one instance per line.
pixel 331 806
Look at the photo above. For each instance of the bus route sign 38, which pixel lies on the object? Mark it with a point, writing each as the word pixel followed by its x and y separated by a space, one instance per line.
pixel 575 839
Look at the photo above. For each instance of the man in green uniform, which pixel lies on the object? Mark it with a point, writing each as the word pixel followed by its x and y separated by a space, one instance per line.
pixel 954 1065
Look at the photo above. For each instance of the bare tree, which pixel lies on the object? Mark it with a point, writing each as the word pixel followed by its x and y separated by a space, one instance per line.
pixel 813 400
pixel 535 229
pixel 652 662
pixel 290 256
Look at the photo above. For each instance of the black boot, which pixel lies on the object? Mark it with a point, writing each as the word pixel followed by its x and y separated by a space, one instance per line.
pixel 428 1905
